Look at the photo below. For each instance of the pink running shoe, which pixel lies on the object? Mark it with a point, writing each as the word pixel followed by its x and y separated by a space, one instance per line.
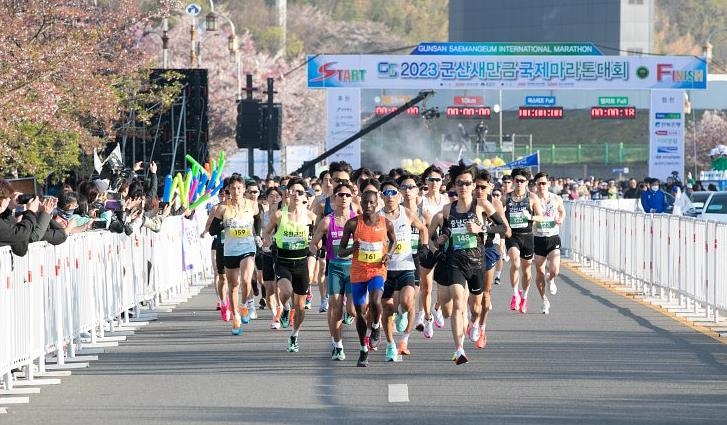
pixel 524 306
pixel 514 303
pixel 225 312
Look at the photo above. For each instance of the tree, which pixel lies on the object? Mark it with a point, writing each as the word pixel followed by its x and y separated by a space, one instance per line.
pixel 711 131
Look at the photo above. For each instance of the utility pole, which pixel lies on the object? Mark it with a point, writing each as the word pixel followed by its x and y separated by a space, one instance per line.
pixel 271 131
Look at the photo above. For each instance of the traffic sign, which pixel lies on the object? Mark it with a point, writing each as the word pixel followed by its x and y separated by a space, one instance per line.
pixel 193 9
pixel 613 101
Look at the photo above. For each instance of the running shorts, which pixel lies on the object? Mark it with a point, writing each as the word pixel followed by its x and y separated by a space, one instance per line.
pixel 544 245
pixel 359 290
pixel 523 242
pixel 339 277
pixel 234 261
pixel 397 280
pixel 295 271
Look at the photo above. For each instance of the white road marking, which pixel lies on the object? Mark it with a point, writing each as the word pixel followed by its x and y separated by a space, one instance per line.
pixel 398 393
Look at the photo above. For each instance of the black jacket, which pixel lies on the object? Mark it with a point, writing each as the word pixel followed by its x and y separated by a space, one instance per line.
pixel 48 230
pixel 16 234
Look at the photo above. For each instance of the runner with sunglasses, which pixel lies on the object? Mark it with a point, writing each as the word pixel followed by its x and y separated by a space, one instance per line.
pixel 505 188
pixel 339 268
pixel 371 233
pixel 495 232
pixel 521 209
pixel 236 220
pixel 294 224
pixel 432 203
pixel 274 199
pixel 218 256
pixel 400 287
pixel 463 227
pixel 547 239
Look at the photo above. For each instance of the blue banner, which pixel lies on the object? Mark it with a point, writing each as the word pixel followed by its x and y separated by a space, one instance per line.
pixel 506 49
pixel 531 160
pixel 540 100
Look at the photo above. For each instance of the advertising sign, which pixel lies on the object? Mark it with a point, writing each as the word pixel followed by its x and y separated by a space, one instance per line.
pixel 344 120
pixel 666 133
pixel 506 72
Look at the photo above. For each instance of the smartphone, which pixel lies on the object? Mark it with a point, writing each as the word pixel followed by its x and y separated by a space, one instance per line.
pixel 113 205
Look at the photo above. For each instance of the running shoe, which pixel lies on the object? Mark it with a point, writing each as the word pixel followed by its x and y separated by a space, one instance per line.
pixel 285 319
pixel 324 305
pixel 363 359
pixel 308 301
pixel 236 327
pixel 497 281
pixel 347 318
pixel 428 328
pixel 391 354
pixel 225 312
pixel 218 306
pixel 482 341
pixel 374 340
pixel 338 354
pixel 546 306
pixel 524 306
pixel 252 309
pixel 551 287
pixel 473 332
pixel 438 318
pixel 293 344
pixel 404 349
pixel 460 357
pixel 420 321
pixel 245 313
pixel 514 302
pixel 402 321
pixel 275 324
pixel 262 304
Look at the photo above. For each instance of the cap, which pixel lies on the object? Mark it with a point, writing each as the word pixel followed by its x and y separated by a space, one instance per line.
pixel 102 185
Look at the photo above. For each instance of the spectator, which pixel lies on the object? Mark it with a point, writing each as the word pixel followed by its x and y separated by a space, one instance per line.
pixel 612 190
pixel 653 200
pixel 45 228
pixel 712 187
pixel 16 233
pixel 681 201
pixel 633 191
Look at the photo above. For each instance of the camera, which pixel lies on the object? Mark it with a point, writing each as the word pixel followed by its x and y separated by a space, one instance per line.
pixel 25 198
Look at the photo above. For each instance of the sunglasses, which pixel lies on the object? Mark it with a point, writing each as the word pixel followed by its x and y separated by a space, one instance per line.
pixel 452 194
pixel 297 192
pixel 253 192
pixel 521 181
pixel 343 195
pixel 390 192
pixel 481 186
pixel 434 179
pixel 541 183
pixel 496 195
pixel 408 186
pixel 463 183
pixel 283 187
pixel 341 181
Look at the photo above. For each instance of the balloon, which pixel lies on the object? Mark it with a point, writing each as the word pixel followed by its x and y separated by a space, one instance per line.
pixel 200 201
pixel 478 161
pixel 168 181
pixel 196 166
pixel 487 163
pixel 417 162
pixel 208 169
pixel 221 162
pixel 193 189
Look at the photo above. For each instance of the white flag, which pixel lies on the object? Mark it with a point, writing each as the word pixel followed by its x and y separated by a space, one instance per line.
pixel 97 164
pixel 115 160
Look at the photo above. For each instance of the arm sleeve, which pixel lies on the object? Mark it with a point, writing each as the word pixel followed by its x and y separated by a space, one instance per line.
pixel 499 225
pixel 216 227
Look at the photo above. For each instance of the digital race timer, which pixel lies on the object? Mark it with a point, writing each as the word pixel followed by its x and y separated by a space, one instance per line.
pixel 540 112
pixel 482 112
pixel 613 112
pixel 380 111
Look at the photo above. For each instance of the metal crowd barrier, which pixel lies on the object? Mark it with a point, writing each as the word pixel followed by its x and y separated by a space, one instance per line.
pixel 55 295
pixel 679 259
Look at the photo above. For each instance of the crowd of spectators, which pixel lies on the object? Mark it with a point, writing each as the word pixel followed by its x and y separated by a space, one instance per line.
pixel 119 203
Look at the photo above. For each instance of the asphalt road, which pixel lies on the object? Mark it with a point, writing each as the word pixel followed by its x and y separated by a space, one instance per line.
pixel 597 358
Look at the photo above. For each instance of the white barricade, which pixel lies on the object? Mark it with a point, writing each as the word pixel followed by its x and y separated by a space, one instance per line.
pixel 52 295
pixel 675 258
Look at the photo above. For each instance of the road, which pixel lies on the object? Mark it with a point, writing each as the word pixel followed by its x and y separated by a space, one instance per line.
pixel 597 358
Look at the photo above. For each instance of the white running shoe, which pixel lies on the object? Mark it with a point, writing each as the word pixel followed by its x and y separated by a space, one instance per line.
pixel 546 306
pixel 438 318
pixel 324 305
pixel 473 332
pixel 551 287
pixel 275 325
pixel 419 325
pixel 428 328
pixel 251 309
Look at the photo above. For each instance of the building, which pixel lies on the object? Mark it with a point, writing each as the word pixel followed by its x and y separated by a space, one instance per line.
pixel 617 27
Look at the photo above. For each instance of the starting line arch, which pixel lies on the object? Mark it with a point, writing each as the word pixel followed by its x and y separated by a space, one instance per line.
pixel 512 66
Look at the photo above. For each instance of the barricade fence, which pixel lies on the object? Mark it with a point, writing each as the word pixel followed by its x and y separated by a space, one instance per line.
pixel 55 295
pixel 678 259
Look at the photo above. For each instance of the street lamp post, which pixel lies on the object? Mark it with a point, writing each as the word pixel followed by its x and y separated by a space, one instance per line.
pixel 707 47
pixel 232 45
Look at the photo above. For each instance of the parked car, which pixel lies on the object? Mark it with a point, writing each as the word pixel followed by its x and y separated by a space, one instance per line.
pixel 716 207
pixel 698 200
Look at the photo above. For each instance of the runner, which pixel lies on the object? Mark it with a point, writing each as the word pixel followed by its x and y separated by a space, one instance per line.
pixel 400 287
pixel 505 189
pixel 252 192
pixel 521 209
pixel 547 239
pixel 236 219
pixel 274 200
pixel 339 269
pixel 370 232
pixel 293 223
pixel 223 304
pixel 496 229
pixel 462 228
pixel 432 203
